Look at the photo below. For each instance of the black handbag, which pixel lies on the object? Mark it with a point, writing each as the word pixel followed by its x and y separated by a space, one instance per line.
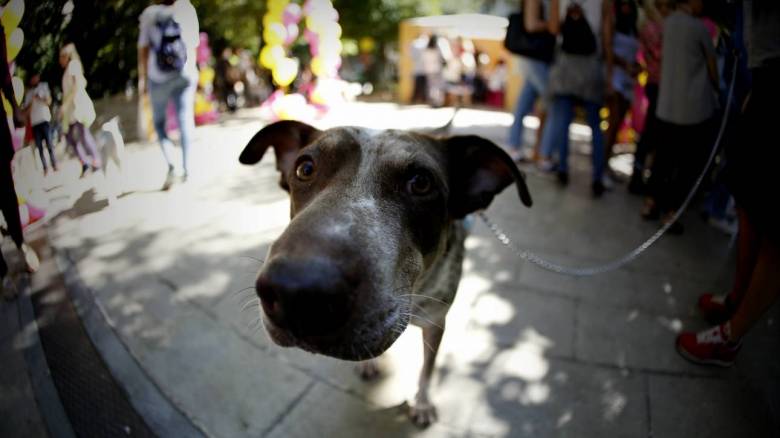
pixel 578 38
pixel 535 45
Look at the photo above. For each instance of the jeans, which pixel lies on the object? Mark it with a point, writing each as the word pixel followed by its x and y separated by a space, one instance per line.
pixel 80 138
pixel 556 133
pixel 535 75
pixel 181 91
pixel 42 132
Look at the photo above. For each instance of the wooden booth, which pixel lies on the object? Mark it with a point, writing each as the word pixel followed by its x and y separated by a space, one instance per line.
pixel 485 31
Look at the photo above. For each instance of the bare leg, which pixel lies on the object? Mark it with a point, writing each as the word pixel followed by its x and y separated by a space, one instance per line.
pixel 538 146
pixel 748 245
pixel 423 413
pixel 762 292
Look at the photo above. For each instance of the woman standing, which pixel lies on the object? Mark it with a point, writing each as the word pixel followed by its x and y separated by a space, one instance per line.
pixel 535 72
pixel 577 78
pixel 78 111
pixel 622 71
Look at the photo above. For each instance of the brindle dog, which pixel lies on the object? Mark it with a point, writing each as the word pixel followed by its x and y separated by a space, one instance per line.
pixel 376 236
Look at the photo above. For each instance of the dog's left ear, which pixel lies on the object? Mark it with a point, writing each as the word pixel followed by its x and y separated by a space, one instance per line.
pixel 479 170
pixel 286 137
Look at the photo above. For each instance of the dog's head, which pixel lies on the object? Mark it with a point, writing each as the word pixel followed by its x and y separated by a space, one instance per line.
pixel 369 213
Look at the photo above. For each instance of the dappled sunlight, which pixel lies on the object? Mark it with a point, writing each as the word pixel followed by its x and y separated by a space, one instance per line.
pixel 491 309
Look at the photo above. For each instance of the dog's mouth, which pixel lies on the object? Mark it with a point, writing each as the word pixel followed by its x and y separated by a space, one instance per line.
pixel 356 342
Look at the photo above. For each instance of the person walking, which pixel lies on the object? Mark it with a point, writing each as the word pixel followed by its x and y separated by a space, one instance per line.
pixel 167 44
pixel 77 111
pixel 36 102
pixel 8 200
pixel 577 78
pixel 535 72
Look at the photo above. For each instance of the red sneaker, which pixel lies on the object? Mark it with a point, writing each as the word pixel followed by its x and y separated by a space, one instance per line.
pixel 716 309
pixel 709 347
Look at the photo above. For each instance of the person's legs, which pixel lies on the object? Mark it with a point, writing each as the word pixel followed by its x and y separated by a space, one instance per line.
pixel 762 292
pixel 597 140
pixel 49 143
pixel 524 106
pixel 159 95
pixel 38 135
pixel 73 141
pixel 556 129
pixel 647 141
pixel 184 101
pixel 86 139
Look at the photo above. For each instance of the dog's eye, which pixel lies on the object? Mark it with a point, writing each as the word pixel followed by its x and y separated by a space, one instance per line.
pixel 419 184
pixel 305 170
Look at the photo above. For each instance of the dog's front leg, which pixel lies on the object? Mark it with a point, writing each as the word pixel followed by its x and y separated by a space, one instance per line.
pixel 423 413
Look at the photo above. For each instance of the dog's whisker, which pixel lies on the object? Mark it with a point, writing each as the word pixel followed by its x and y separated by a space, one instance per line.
pixel 253 258
pixel 424 319
pixel 426 297
pixel 254 302
pixel 242 290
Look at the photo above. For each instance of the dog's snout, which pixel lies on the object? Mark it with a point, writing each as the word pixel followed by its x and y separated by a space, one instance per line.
pixel 310 298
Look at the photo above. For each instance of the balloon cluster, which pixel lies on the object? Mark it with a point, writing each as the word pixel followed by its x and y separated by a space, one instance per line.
pixel 11 16
pixel 280 30
pixel 322 34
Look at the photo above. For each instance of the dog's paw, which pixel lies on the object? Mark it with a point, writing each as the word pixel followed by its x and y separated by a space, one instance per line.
pixel 368 370
pixel 423 414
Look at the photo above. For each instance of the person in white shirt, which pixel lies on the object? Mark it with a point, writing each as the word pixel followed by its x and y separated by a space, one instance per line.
pixel 37 101
pixel 167 44
pixel 78 111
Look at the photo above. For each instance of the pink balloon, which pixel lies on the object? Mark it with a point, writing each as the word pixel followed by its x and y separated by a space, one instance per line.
pixel 292 14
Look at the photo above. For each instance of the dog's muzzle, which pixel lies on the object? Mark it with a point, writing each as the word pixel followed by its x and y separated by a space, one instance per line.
pixel 312 298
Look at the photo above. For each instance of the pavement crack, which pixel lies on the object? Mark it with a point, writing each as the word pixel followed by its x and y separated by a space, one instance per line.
pixel 288 409
pixel 168 283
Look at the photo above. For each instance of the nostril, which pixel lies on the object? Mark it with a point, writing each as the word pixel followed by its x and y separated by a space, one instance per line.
pixel 308 297
pixel 270 301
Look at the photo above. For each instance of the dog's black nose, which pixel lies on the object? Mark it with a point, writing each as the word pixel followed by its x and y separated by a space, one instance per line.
pixel 310 297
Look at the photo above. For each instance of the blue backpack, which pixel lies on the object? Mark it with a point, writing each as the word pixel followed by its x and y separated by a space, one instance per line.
pixel 171 52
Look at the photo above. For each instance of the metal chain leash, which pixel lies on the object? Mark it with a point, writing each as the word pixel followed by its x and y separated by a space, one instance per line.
pixel 636 252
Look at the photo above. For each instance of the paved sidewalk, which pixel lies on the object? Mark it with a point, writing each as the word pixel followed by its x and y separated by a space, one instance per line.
pixel 526 352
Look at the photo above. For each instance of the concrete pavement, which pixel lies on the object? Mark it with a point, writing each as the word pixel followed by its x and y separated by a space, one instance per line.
pixel 526 352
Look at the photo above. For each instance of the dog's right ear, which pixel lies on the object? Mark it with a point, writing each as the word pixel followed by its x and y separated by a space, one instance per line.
pixel 286 137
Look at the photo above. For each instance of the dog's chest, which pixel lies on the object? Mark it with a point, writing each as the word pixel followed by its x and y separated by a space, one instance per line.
pixel 435 291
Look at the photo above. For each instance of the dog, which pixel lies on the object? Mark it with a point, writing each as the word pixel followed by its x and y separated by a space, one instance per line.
pixel 111 147
pixel 376 237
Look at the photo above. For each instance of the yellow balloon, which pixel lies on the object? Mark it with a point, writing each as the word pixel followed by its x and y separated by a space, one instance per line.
pixel 285 71
pixel 270 18
pixel 317 66
pixel 367 44
pixel 206 76
pixel 277 6
pixel 275 34
pixel 14 43
pixel 12 15
pixel 270 55
pixel 7 108
pixel 18 89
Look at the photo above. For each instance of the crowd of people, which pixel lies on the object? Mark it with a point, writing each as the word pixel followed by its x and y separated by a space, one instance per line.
pixel 451 71
pixel 603 48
